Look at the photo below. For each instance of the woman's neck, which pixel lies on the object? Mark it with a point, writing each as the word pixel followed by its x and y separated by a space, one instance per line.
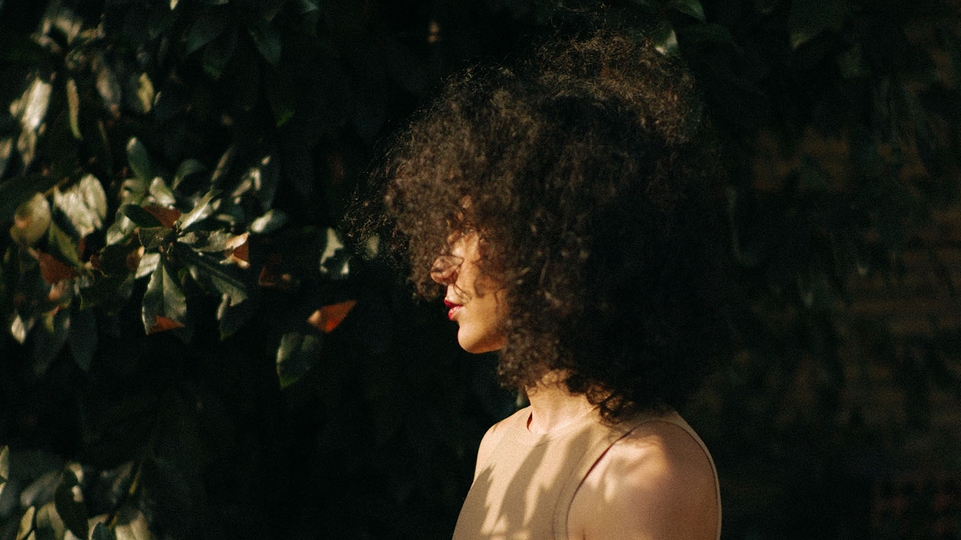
pixel 552 404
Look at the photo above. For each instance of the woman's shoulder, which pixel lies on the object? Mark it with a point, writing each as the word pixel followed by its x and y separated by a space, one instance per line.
pixel 658 480
pixel 494 435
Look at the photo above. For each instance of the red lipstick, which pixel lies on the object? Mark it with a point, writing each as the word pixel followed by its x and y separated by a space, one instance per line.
pixel 452 308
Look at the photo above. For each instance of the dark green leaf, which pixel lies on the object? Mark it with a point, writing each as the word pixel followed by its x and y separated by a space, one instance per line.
pixel 139 160
pixel 232 316
pixel 49 339
pixel 82 339
pixel 109 292
pixel 809 18
pixel 267 39
pixel 207 28
pixel 708 34
pixel 812 175
pixel 280 96
pixel 689 7
pixel 72 512
pixel 650 5
pixel 296 355
pixel 140 216
pixel 102 532
pixel 207 241
pixel 164 300
pixel 208 271
pixel 246 70
pixel 306 6
pixel 152 238
pixel 219 53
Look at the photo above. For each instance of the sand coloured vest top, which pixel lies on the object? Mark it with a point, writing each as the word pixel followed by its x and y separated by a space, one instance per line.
pixel 525 490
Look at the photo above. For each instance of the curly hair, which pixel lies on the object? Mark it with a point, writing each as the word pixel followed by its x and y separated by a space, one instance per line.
pixel 590 173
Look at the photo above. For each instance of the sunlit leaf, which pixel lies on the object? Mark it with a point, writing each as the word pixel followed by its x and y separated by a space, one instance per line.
pixel 26 524
pixel 140 216
pixel 665 39
pixel 73 108
pixel 84 204
pixel 335 260
pixel 164 304
pixel 70 505
pixel 689 7
pixel 139 160
pixel 200 211
pixel 132 525
pixel 327 318
pixel 223 165
pixel 261 180
pixel 271 221
pixel 239 250
pixel 31 220
pixel 296 355
pixel 31 110
pixel 206 28
pixel 161 192
pixel 4 466
pixel 108 86
pixel 145 93
pixel 50 523
pixel 53 270
pixel 6 149
pixel 147 265
pixel 20 327
pixel 187 169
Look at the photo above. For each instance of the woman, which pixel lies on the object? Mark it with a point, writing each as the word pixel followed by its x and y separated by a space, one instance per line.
pixel 563 207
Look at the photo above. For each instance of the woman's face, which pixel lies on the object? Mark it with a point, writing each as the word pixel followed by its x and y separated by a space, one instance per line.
pixel 475 301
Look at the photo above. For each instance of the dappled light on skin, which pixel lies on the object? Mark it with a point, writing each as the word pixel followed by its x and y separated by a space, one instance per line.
pixel 647 476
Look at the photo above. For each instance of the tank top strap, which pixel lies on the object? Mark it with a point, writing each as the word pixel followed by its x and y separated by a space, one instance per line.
pixel 603 436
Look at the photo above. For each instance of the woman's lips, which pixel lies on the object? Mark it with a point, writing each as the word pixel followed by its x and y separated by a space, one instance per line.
pixel 452 309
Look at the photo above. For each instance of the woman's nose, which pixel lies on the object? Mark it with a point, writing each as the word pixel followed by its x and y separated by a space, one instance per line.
pixel 444 269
